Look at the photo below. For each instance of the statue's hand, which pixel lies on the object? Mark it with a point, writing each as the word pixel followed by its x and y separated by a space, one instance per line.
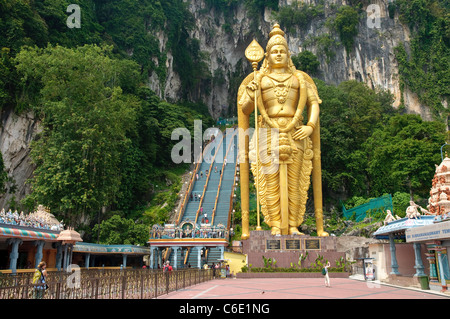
pixel 252 87
pixel 302 133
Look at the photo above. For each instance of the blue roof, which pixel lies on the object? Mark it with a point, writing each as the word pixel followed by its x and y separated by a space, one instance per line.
pixel 98 248
pixel 401 225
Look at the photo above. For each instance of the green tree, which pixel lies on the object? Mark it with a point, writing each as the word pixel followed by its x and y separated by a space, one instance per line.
pixel 21 25
pixel 306 61
pixel 402 154
pixel 5 77
pixel 131 27
pixel 85 119
pixel 298 14
pixel 346 24
pixel 400 201
pixel 121 231
pixel 350 113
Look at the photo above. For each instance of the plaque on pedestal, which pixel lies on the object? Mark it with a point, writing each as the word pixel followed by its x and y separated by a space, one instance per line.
pixel 312 244
pixel 292 244
pixel 273 244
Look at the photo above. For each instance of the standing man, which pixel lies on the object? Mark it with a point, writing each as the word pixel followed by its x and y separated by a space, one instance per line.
pixel 167 267
pixel 327 277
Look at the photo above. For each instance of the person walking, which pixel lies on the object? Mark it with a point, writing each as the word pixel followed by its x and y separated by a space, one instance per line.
pixel 325 272
pixel 39 278
pixel 167 267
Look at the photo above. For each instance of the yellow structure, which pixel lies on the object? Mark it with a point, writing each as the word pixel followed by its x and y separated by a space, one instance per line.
pixel 235 260
pixel 288 152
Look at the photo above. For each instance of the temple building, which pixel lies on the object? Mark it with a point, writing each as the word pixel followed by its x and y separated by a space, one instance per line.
pixel 436 236
pixel 428 231
pixel 27 239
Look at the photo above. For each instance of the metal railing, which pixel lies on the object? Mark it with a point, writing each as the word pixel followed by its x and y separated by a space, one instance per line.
pixel 103 284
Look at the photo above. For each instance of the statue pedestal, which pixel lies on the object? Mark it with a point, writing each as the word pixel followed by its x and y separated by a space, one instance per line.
pixel 286 249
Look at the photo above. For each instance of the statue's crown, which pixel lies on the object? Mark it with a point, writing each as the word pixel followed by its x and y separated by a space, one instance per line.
pixel 276 30
pixel 276 37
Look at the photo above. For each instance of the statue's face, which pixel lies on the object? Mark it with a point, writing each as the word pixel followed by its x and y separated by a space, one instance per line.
pixel 278 56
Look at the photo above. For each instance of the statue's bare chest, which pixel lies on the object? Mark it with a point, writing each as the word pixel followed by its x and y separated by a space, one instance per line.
pixel 280 90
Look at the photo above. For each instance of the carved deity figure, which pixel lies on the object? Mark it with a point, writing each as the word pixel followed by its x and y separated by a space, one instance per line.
pixel 389 217
pixel 282 93
pixel 412 210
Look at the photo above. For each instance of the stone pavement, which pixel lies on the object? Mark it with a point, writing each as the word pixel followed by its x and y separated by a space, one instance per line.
pixel 299 288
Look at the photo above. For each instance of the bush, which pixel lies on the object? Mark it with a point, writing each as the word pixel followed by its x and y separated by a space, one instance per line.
pixel 288 269
pixel 306 61
pixel 346 24
pixel 316 266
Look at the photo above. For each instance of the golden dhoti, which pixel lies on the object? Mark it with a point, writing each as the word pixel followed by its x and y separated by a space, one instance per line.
pixel 285 167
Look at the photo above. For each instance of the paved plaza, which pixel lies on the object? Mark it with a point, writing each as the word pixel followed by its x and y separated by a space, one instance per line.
pixel 299 288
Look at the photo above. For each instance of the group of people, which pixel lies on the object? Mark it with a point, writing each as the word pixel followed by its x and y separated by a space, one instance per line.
pixel 195 197
pixel 197 176
pixel 33 220
pixel 216 268
pixel 205 219
pixel 213 232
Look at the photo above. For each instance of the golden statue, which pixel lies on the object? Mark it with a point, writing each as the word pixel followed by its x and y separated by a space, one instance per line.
pixel 280 93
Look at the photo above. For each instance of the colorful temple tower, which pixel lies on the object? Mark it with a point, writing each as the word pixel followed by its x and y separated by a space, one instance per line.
pixel 439 203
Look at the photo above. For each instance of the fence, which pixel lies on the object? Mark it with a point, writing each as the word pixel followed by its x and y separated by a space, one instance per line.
pixel 104 284
pixel 384 202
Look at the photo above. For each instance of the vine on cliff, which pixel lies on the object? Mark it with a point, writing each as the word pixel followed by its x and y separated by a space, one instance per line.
pixel 423 67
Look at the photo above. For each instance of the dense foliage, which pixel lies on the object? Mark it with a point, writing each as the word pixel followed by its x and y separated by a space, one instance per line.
pixel 106 138
pixel 86 117
pixel 298 14
pixel 307 62
pixel 368 149
pixel 121 230
pixel 103 156
pixel 346 25
pixel 424 66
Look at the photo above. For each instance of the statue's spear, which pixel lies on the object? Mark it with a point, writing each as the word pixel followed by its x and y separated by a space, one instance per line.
pixel 255 53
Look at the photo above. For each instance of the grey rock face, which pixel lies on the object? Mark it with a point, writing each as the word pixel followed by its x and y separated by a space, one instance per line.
pixel 372 60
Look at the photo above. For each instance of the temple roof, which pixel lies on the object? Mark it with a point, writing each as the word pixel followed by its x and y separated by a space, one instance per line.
pixel 110 249
pixel 398 227
pixel 444 167
pixel 26 233
pixel 69 235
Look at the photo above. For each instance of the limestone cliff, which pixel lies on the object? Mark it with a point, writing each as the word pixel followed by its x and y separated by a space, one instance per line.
pixel 371 60
pixel 17 132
